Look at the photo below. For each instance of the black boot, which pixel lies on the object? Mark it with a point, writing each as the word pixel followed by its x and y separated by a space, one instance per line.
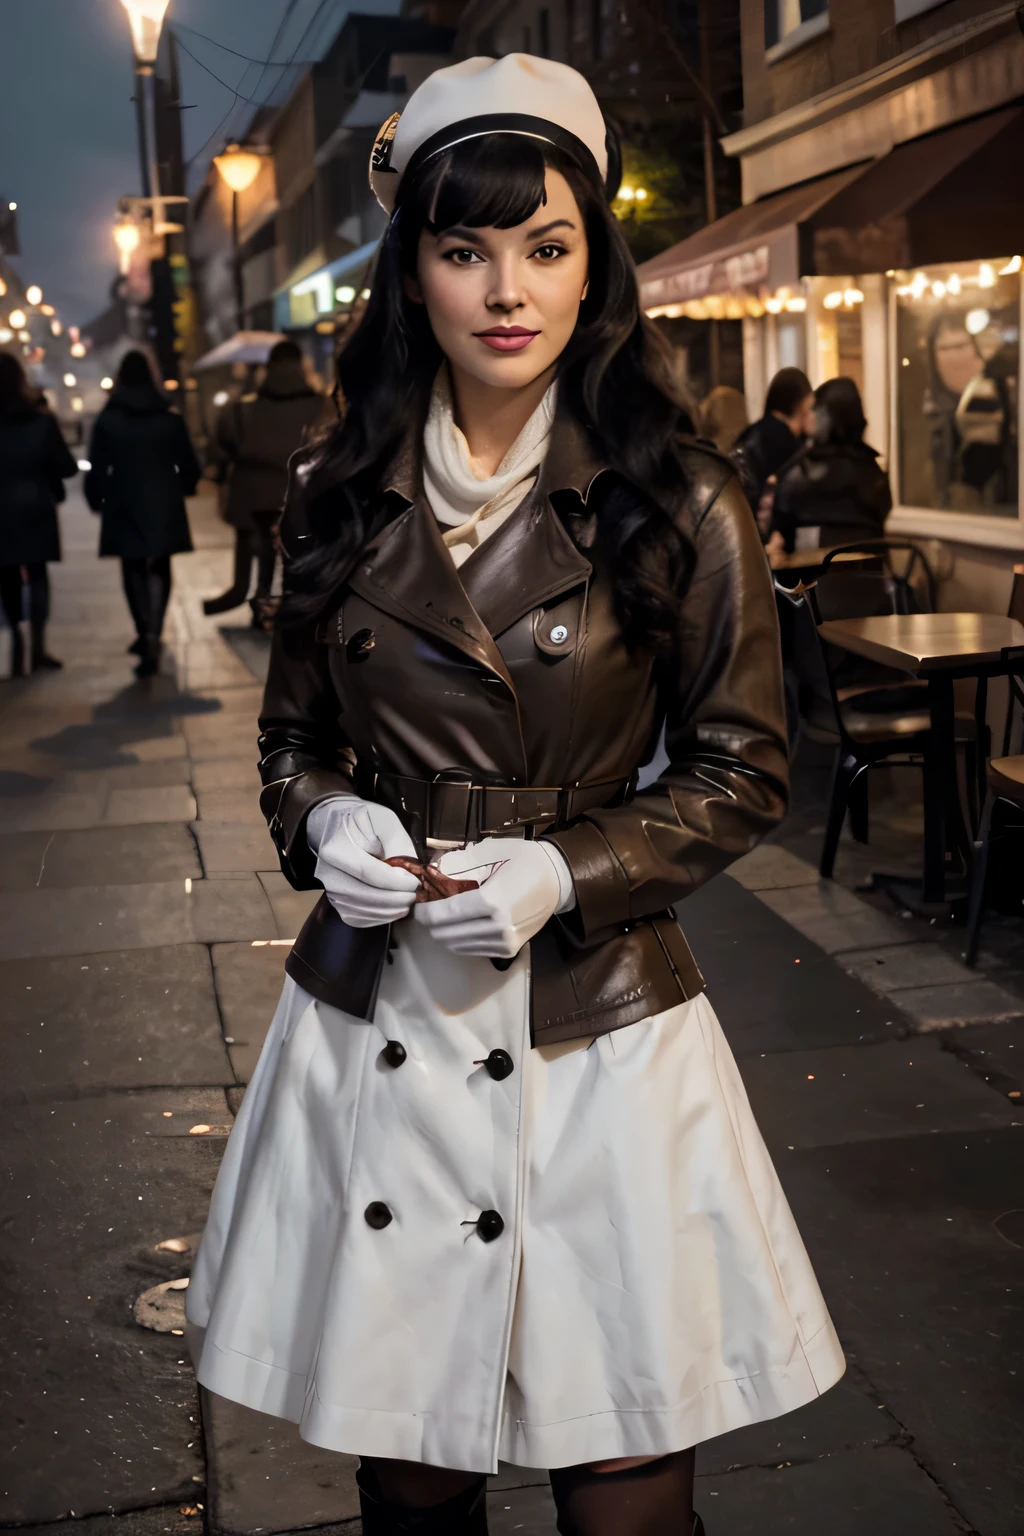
pixel 149 657
pixel 464 1515
pixel 42 661
pixel 18 668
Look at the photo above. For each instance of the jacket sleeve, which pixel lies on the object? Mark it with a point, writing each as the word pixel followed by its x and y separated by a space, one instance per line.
pixel 189 468
pixel 99 464
pixel 305 755
pixel 60 463
pixel 728 776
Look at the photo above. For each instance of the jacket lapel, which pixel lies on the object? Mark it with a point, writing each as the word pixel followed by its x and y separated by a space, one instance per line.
pixel 407 571
pixel 525 563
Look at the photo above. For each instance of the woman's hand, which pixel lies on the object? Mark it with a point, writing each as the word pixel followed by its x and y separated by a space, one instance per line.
pixel 352 838
pixel 521 885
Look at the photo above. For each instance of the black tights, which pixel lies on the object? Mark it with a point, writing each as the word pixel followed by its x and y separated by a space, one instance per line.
pixel 655 1499
pixel 11 587
pixel 147 587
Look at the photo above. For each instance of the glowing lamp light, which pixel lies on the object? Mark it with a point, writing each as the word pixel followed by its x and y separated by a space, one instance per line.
pixel 986 275
pixel 24 336
pixel 106 383
pixel 13 207
pixel 626 194
pixel 345 295
pixel 171 384
pixel 364 293
pixel 238 167
pixel 56 327
pixel 17 320
pixel 852 296
pixel 77 349
pixel 834 299
pixel 146 18
pixel 796 305
pixel 70 381
pixel 3 287
pixel 976 320
pixel 938 290
pixel 774 306
pixel 221 397
pixel 127 237
pixel 641 194
pixel 1012 266
pixel 918 285
pixel 77 405
pixel 47 309
pixel 85 465
pixel 34 295
pixel 5 335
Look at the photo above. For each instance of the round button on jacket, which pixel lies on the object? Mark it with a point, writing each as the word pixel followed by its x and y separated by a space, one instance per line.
pixel 378 1216
pixel 489 1225
pixel 558 634
pixel 500 1065
pixel 394 1053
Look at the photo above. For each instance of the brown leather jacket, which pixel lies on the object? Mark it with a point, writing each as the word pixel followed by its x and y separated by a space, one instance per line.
pixel 502 699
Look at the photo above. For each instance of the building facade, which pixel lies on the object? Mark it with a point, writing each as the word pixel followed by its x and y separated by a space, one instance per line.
pixel 880 237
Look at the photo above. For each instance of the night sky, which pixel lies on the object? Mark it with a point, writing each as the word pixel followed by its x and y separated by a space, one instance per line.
pixel 67 126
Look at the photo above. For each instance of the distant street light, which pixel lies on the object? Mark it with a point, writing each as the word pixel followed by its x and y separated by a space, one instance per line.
pixel 17 320
pixel 147 19
pixel 238 168
pixel 34 295
pixel 70 381
pixel 77 349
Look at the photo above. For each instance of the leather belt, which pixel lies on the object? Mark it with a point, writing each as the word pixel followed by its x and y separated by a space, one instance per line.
pixel 451 810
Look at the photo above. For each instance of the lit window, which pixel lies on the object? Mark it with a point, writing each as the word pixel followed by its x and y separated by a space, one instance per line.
pixel 788 23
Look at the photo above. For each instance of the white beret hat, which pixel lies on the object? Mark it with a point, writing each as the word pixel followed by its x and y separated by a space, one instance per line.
pixel 519 93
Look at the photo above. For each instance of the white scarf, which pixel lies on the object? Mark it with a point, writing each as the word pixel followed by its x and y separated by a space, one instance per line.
pixel 470 507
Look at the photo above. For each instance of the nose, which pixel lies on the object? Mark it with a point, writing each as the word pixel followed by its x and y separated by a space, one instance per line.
pixel 506 292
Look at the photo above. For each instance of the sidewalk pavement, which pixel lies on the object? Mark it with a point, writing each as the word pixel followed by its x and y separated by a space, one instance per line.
pixel 143 929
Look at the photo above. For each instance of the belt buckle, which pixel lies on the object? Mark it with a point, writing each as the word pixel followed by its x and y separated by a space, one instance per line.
pixel 448 809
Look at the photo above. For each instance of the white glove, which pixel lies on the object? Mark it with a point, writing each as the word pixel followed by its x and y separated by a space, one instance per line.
pixel 521 885
pixel 351 838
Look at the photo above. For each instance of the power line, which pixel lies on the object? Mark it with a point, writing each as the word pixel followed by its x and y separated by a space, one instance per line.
pixel 252 100
pixel 266 63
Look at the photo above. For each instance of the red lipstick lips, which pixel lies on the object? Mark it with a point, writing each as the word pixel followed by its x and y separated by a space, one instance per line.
pixel 506 338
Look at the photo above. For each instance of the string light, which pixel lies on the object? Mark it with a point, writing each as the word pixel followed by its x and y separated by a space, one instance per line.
pixel 17 319
pixel 1012 266
pixel 34 295
pixel 70 381
pixel 77 349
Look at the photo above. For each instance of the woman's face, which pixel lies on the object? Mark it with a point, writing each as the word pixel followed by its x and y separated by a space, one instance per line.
pixel 503 303
pixel 957 359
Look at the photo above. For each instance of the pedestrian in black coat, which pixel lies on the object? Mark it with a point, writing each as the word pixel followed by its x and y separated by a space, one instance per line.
pixel 254 439
pixel 34 463
pixel 143 468
pixel 767 446
pixel 837 486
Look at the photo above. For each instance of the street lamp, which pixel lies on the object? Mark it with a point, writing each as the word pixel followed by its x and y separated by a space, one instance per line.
pixel 146 18
pixel 34 295
pixel 238 169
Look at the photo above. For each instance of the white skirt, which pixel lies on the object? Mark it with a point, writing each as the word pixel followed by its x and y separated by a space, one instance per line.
pixel 648 1290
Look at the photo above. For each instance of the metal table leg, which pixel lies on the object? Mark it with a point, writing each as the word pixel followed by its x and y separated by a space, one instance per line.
pixel 941 793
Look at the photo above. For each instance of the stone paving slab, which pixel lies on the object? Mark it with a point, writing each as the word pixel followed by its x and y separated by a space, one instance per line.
pixel 898 966
pixel 161 851
pixel 291 907
pixel 856 1493
pixel 970 1002
pixel 238 773
pixel 236 804
pixel 915 1244
pixel 222 910
pixel 834 918
pixel 91 919
pixel 76 1024
pixel 132 807
pixel 772 867
pixel 996 1052
pixel 162 1520
pixel 848 1416
pixel 52 812
pixel 87 1196
pixel 264 1477
pixel 228 848
pixel 248 983
pixel 771 988
pixel 867 1093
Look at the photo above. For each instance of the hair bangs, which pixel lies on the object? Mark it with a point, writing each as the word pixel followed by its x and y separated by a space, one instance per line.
pixel 495 181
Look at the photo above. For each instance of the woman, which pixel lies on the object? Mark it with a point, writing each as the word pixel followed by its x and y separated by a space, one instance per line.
pixel 34 463
pixel 255 438
pixel 768 445
pixel 495 1189
pixel 837 486
pixel 143 468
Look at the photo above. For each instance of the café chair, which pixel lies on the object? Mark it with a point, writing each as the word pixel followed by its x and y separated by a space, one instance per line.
pixel 1005 779
pixel 873 714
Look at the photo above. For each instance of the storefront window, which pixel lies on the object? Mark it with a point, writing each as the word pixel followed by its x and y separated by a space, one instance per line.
pixel 957 369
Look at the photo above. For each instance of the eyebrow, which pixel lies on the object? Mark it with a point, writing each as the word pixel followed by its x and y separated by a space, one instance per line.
pixel 462 232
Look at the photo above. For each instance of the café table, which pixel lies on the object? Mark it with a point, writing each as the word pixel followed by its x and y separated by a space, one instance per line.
pixel 801 560
pixel 938 648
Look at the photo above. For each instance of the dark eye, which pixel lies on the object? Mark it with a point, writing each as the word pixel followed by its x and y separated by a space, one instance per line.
pixel 461 256
pixel 549 252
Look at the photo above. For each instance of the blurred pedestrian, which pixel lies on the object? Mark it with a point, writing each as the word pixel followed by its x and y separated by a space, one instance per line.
pixel 34 463
pixel 768 445
pixel 143 468
pixel 254 439
pixel 723 417
pixel 837 486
